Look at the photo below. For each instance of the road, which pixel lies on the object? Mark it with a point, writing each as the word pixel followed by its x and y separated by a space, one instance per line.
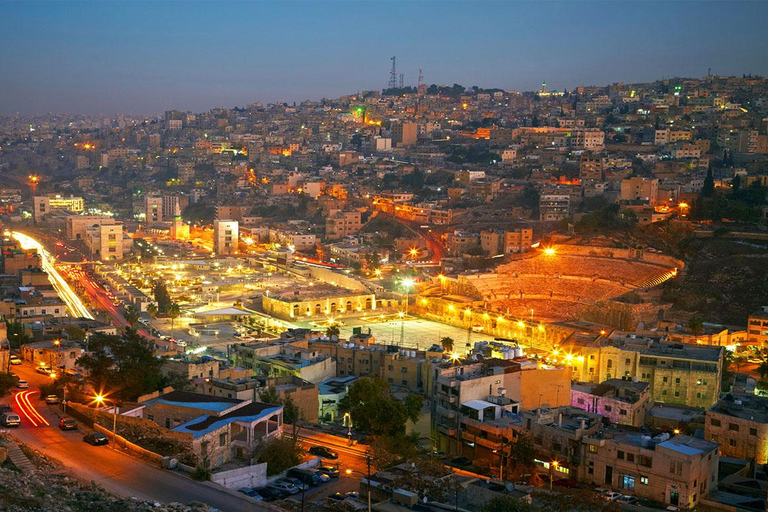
pixel 70 298
pixel 115 471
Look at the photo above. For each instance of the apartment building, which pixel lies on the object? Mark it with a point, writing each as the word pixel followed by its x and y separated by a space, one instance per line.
pixel 554 207
pixel 105 241
pixel 225 237
pixel 677 373
pixel 591 166
pixel 43 205
pixel 624 402
pixel 676 471
pixel 518 240
pixel 458 243
pixel 739 423
pixel 557 434
pixel 340 224
pixel 521 381
pixel 77 224
pixel 153 209
pixel 640 189
pixel 404 134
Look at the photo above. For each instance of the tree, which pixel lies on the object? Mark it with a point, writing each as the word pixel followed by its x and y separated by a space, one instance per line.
pixel 447 343
pixel 7 382
pixel 506 504
pixel 162 297
pixel 122 365
pixel 696 325
pixel 174 311
pixel 708 189
pixel 151 311
pixel 17 335
pixel 521 458
pixel 332 330
pixel 762 369
pixel 74 333
pixel 279 454
pixel 177 380
pixel 132 315
pixel 375 411
pixel 575 500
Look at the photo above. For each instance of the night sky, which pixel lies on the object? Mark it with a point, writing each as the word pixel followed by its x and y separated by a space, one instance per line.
pixel 146 57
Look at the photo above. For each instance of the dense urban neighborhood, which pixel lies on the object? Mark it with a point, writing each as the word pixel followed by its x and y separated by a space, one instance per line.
pixel 430 297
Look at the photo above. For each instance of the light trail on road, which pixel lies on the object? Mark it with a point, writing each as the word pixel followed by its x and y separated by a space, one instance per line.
pixel 70 298
pixel 27 409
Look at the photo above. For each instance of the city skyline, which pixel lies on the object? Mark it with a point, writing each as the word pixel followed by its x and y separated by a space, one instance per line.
pixel 61 57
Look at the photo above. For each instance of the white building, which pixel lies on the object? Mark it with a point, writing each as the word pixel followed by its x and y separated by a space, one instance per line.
pixel 225 237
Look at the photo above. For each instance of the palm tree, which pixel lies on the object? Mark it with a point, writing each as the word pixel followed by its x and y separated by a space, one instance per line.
pixel 174 311
pixel 151 311
pixel 332 330
pixel 696 325
pixel 132 315
pixel 447 344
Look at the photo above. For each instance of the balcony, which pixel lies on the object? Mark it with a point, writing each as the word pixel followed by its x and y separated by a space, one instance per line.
pixel 448 431
pixel 446 413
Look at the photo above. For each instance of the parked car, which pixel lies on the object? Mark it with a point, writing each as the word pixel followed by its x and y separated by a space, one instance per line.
pixel 323 451
pixel 566 482
pixel 67 424
pixel 295 481
pixel 248 491
pixel 5 408
pixel 10 419
pixel 52 399
pixel 329 470
pixel 96 438
pixel 307 476
pixel 352 494
pixel 285 486
pixel 611 495
pixel 22 384
pixel 271 493
pixel 43 369
pixel 627 500
pixel 461 461
pixel 339 496
pixel 15 360
pixel 322 476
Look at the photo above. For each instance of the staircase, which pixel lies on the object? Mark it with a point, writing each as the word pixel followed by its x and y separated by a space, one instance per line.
pixel 19 458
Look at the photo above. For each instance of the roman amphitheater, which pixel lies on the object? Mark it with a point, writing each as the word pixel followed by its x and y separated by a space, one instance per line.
pixel 561 282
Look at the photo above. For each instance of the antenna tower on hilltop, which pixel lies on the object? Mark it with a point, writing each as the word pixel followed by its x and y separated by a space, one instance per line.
pixel 392 75
pixel 422 89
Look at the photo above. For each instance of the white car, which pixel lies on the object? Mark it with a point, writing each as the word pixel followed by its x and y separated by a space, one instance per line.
pixel 15 360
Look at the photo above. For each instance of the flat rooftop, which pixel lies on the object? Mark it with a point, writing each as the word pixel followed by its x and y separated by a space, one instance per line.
pixel 743 406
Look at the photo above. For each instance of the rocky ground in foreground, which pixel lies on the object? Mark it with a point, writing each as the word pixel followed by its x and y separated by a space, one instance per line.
pixel 51 489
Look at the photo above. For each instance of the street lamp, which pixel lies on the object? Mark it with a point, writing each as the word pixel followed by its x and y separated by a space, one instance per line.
pixel 100 399
pixel 552 465
pixel 368 477
pixel 406 283
pixel 348 420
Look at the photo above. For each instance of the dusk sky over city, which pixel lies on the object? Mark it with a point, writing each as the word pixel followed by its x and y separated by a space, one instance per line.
pixel 143 57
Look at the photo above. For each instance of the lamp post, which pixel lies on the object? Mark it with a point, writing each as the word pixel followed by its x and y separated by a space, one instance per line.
pixel 100 400
pixel 348 420
pixel 552 465
pixel 368 477
pixel 406 283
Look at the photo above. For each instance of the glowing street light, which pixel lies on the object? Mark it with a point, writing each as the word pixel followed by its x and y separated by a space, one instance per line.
pixel 100 399
pixel 549 251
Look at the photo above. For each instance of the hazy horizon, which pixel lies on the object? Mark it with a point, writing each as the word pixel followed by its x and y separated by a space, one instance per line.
pixel 142 58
